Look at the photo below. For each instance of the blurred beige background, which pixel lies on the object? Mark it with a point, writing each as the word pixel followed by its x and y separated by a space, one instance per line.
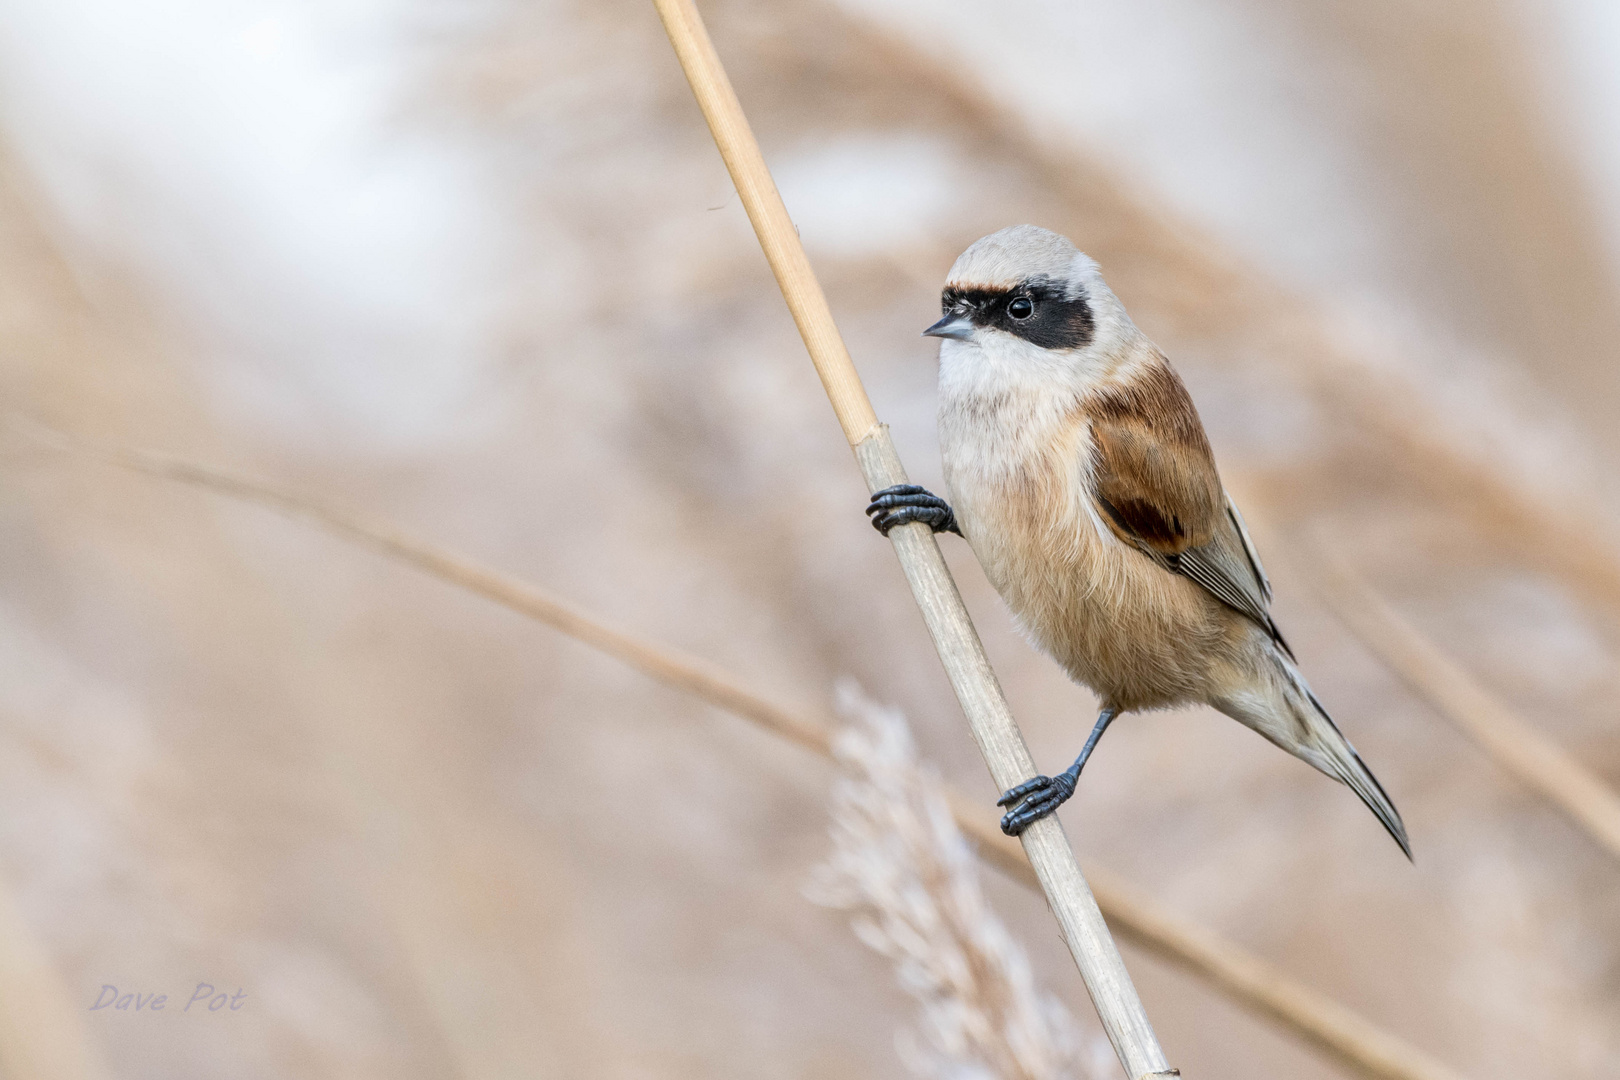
pixel 476 269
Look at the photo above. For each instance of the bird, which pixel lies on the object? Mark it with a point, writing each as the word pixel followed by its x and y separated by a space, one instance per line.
pixel 1080 475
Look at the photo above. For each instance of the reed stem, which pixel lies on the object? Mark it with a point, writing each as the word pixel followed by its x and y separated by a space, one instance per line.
pixel 955 639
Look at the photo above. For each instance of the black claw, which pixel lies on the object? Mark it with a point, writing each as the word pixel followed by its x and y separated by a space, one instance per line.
pixel 1014 794
pixel 930 515
pixel 890 498
pixel 905 503
pixel 1035 798
pixel 1015 824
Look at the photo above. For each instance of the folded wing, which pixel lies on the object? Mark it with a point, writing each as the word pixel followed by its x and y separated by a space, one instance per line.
pixel 1157 487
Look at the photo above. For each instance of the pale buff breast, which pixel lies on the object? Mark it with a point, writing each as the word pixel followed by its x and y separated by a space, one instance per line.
pixel 1018 472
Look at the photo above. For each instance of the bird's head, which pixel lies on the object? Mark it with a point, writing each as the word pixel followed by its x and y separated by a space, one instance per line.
pixel 1026 291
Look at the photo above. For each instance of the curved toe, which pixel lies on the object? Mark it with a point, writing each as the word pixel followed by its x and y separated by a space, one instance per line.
pixel 905 503
pixel 1032 800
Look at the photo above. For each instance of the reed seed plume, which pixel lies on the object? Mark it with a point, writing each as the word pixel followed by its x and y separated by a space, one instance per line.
pixel 902 868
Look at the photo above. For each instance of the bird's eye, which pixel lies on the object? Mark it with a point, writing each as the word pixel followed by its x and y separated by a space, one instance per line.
pixel 1021 307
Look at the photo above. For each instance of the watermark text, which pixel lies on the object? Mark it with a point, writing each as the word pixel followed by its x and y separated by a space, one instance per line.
pixel 204 997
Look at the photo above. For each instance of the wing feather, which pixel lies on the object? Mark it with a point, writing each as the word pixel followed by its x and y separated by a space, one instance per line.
pixel 1249 550
pixel 1156 484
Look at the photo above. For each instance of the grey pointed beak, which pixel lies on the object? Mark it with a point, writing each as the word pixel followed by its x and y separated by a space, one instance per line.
pixel 955 325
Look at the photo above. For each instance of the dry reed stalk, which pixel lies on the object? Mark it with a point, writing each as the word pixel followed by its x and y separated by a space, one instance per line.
pixel 1537 761
pixel 680 670
pixel 957 642
pixel 1528 521
pixel 902 867
pixel 1223 965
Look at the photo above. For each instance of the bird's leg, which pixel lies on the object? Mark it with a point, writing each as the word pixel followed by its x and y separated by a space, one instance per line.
pixel 1036 798
pixel 905 503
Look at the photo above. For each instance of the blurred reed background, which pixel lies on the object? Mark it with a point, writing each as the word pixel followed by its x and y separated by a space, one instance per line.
pixel 475 269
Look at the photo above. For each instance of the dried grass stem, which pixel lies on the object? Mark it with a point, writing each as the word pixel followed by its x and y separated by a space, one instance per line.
pixel 1524 752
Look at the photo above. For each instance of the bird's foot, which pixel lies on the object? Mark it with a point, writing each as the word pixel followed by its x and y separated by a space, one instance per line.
pixel 1035 799
pixel 905 503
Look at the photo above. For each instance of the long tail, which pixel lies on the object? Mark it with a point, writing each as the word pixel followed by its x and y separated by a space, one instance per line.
pixel 1286 712
pixel 1346 765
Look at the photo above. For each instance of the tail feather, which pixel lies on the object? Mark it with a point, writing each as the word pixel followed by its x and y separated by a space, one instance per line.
pixel 1283 709
pixel 1348 767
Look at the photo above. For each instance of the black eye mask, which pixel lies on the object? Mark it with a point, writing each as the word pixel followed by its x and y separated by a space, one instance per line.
pixel 1057 321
